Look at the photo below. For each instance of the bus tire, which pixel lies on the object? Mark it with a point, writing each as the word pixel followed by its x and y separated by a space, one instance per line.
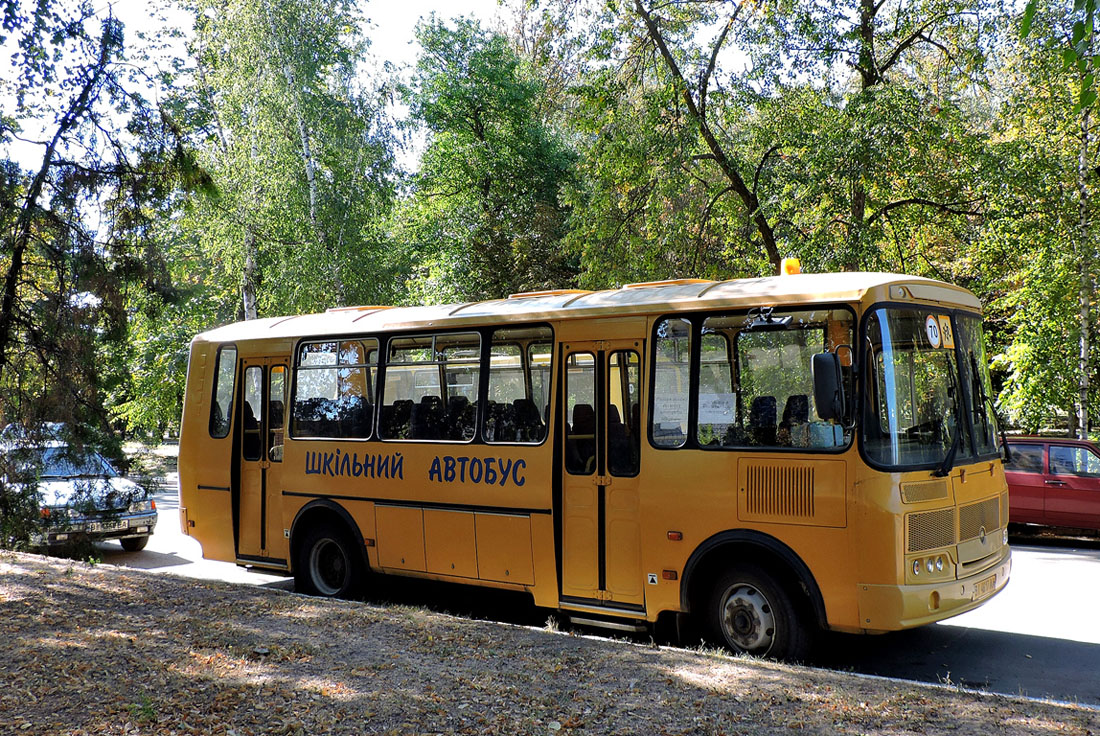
pixel 749 611
pixel 328 564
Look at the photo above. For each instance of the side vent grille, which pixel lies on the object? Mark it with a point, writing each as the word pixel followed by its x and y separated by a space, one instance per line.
pixel 931 530
pixel 930 490
pixel 778 491
pixel 974 517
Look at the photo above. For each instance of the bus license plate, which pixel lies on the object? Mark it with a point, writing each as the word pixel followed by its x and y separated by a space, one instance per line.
pixel 106 526
pixel 984 588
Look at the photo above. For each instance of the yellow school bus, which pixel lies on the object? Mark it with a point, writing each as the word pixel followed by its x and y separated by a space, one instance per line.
pixel 770 457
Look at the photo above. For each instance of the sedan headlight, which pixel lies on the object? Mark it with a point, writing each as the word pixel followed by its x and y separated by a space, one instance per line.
pixel 139 506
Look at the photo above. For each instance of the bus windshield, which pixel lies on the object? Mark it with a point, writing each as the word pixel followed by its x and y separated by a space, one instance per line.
pixel 928 389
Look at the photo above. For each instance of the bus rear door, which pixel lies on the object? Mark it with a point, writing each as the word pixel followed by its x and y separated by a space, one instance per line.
pixel 601 538
pixel 259 517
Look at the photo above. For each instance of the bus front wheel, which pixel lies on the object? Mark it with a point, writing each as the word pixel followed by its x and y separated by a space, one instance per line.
pixel 327 564
pixel 750 612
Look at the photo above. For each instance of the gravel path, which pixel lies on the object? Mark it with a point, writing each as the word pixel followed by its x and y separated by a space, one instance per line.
pixel 90 649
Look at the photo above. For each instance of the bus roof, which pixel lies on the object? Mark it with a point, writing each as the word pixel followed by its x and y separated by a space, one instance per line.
pixel 664 296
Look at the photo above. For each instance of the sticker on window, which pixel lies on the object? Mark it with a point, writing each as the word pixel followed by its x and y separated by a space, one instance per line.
pixel 932 328
pixel 945 332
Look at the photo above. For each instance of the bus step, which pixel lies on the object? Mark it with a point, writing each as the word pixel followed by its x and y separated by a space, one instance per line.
pixel 633 627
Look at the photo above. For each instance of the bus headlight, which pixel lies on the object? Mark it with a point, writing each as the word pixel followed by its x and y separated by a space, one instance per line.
pixel 916 567
pixel 939 564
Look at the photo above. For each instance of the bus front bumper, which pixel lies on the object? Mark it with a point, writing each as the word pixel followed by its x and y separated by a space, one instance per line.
pixel 892 607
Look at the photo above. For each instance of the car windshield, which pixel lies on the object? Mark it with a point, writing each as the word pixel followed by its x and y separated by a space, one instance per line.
pixel 64 462
pixel 928 390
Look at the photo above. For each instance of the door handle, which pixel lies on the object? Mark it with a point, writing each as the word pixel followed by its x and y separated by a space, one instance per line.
pixel 1054 482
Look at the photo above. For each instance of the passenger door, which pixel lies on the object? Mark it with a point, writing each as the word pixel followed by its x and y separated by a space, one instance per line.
pixel 263 411
pixel 601 537
pixel 1073 486
pixel 1026 487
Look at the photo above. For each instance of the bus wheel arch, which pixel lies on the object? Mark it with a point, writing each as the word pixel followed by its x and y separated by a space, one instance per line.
pixel 753 580
pixel 327 551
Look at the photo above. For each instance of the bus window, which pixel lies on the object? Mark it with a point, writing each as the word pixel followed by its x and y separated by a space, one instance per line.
pixel 580 413
pixel 333 388
pixel 671 381
pixel 221 410
pixel 251 440
pixel 431 388
pixel 717 395
pixel 623 445
pixel 519 392
pixel 775 372
pixel 276 409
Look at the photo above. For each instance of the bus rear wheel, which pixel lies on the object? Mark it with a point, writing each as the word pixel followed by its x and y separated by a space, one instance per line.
pixel 328 564
pixel 750 612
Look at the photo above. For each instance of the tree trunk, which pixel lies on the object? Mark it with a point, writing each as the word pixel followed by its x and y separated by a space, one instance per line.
pixel 1084 292
pixel 869 77
pixel 309 162
pixel 250 276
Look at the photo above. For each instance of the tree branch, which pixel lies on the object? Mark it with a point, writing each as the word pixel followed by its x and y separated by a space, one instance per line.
pixel 748 198
pixel 951 208
pixel 704 81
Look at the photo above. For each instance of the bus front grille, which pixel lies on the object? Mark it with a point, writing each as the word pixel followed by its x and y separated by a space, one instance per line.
pixel 978 516
pixel 931 530
pixel 929 490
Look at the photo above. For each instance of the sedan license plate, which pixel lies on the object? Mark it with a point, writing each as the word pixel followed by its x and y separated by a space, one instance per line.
pixel 106 526
pixel 984 588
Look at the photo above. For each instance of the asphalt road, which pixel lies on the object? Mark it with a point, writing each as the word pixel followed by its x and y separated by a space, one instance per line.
pixel 1040 637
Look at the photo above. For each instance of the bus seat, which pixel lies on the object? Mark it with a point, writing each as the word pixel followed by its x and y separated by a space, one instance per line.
pixel 251 439
pixel 460 418
pixel 500 423
pixel 395 419
pixel 426 420
pixel 796 411
pixel 355 417
pixel 762 420
pixel 275 413
pixel 527 420
pixel 619 456
pixel 794 427
pixel 581 442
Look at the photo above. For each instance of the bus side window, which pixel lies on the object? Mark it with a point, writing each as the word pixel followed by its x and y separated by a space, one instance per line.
pixel 671 383
pixel 519 385
pixel 334 388
pixel 221 408
pixel 431 385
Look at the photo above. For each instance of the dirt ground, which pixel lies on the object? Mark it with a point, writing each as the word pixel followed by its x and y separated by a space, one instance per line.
pixel 92 649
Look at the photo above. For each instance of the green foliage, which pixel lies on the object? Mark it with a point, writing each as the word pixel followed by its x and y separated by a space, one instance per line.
pixel 300 154
pixel 648 205
pixel 484 218
pixel 1078 55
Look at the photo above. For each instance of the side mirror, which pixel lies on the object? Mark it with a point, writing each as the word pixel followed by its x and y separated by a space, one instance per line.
pixel 828 386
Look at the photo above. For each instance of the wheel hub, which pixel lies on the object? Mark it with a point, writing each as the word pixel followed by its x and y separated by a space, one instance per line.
pixel 328 567
pixel 748 619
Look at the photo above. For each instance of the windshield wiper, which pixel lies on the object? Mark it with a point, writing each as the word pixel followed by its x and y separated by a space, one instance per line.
pixel 949 460
pixel 956 439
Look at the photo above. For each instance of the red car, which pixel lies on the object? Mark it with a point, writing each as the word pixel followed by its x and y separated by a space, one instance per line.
pixel 1054 482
